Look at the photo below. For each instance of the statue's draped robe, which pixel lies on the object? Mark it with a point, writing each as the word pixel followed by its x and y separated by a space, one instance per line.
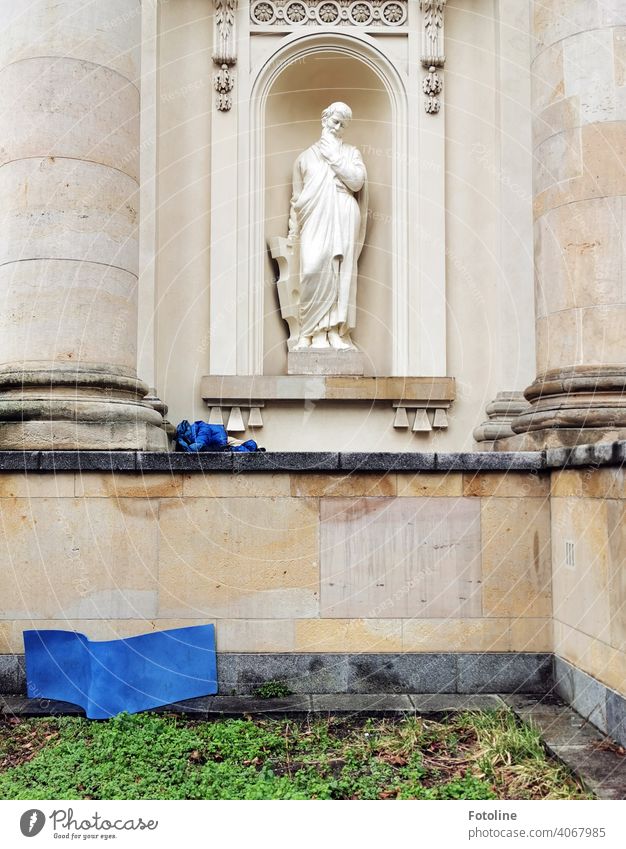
pixel 330 222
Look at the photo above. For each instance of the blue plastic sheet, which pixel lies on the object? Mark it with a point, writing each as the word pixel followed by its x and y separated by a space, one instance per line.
pixel 134 674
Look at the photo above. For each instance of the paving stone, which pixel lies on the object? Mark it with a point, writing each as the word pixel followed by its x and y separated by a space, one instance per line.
pixel 387 462
pixel 86 461
pixel 353 703
pixel 557 722
pixel 495 461
pixel 198 707
pixel 240 705
pixel 289 461
pixel 603 772
pixel 442 703
pixel 577 743
pixel 504 673
pixel 529 701
pixel 402 673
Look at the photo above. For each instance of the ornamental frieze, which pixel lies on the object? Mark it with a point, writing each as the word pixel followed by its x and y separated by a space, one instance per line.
pixel 358 13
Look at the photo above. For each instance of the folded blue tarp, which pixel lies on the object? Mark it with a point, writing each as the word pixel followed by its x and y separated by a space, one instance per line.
pixel 134 674
pixel 201 436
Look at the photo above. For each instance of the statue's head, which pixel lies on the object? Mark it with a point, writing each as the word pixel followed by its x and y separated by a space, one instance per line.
pixel 336 117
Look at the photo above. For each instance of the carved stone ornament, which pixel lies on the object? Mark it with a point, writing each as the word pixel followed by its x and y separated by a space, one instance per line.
pixel 433 55
pixel 432 86
pixel 329 13
pixel 225 51
pixel 432 32
pixel 223 82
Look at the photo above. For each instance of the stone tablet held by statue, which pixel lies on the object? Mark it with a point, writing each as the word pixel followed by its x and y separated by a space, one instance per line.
pixel 318 259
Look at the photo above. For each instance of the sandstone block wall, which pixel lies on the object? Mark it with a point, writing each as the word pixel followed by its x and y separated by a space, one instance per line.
pixel 589 510
pixel 442 562
pixel 325 562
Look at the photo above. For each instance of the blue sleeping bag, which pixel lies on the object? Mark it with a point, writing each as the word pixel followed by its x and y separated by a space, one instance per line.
pixel 201 436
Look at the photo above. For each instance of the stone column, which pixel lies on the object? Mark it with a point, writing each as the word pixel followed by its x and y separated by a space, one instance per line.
pixel 579 129
pixel 69 164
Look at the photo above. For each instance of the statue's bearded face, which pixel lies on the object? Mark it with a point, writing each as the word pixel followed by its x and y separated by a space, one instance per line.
pixel 336 124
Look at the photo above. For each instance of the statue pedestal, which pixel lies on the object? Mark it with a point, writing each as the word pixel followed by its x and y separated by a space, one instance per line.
pixel 324 361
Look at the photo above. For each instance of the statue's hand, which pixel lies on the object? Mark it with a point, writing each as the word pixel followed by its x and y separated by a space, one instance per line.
pixel 329 147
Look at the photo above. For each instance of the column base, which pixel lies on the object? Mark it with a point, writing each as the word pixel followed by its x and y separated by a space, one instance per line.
pixel 65 409
pixel 162 408
pixel 77 436
pixel 501 413
pixel 576 406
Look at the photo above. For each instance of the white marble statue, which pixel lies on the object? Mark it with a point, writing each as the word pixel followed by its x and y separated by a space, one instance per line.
pixel 328 217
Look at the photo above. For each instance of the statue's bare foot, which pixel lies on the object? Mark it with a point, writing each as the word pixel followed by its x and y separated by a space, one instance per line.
pixel 340 343
pixel 303 343
pixel 320 340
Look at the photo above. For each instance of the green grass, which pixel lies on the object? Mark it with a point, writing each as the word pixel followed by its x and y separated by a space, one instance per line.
pixel 156 756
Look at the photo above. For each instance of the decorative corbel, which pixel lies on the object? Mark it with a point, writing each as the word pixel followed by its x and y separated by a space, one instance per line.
pixel 433 56
pixel 225 52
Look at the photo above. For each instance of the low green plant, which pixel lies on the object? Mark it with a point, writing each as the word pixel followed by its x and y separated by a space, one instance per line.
pixel 272 690
pixel 159 756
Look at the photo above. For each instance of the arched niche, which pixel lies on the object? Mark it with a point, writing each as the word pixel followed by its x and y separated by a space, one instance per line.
pixel 296 84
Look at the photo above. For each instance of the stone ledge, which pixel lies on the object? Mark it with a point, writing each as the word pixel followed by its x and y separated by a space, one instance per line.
pixel 204 461
pixel 597 455
pixel 19 461
pixel 287 461
pixel 89 461
pixel 274 461
pixel 502 461
pixel 225 390
pixel 387 462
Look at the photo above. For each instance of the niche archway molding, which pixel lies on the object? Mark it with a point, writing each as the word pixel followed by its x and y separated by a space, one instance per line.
pixel 238 232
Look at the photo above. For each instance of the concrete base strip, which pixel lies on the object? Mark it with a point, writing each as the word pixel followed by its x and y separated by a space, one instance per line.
pixel 581 747
pixel 339 703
